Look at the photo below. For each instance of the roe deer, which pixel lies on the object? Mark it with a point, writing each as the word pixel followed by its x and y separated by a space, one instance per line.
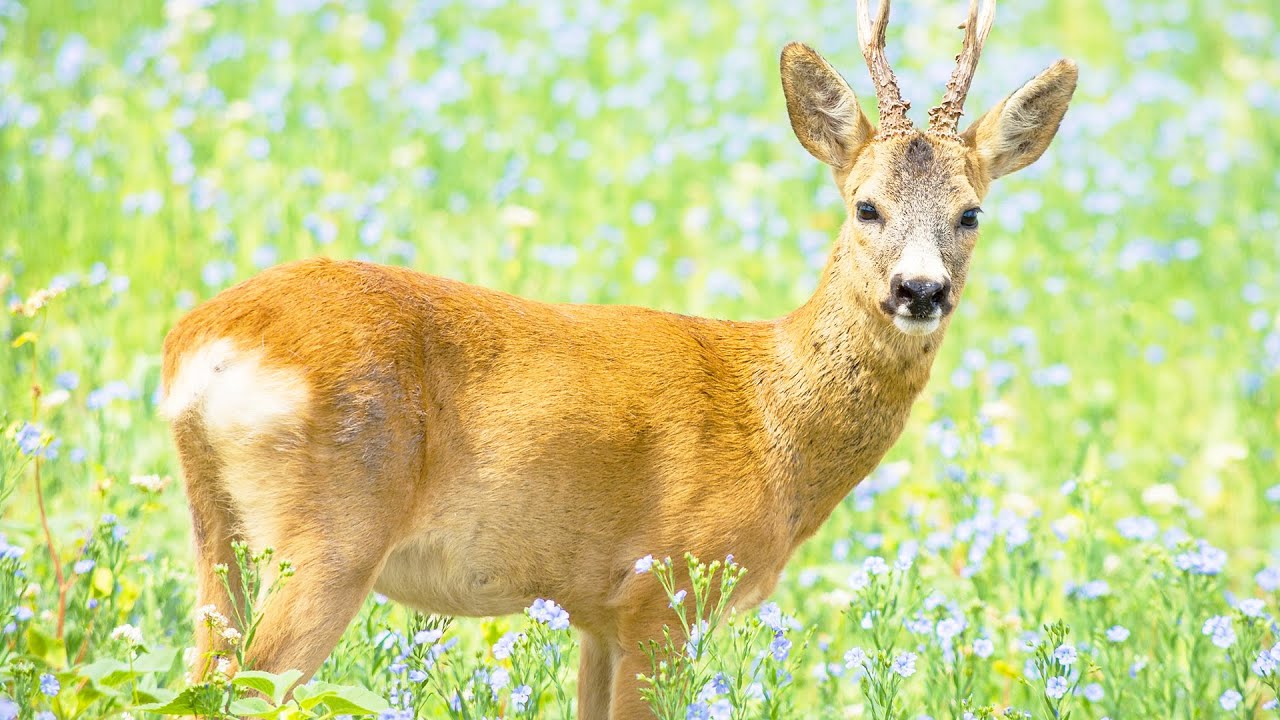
pixel 465 451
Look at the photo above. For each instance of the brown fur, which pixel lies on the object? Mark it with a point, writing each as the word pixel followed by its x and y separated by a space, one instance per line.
pixel 466 451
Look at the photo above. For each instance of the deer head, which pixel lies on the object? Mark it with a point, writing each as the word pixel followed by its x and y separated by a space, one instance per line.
pixel 913 196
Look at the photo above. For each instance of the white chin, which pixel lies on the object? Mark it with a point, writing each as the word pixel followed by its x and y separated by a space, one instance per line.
pixel 912 326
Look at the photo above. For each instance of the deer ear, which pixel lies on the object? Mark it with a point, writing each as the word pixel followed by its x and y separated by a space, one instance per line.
pixel 824 111
pixel 1015 133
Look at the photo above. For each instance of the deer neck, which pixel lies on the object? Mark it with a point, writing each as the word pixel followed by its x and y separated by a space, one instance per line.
pixel 845 384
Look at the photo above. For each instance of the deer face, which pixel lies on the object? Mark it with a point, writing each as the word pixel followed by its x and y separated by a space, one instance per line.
pixel 913 197
pixel 913 221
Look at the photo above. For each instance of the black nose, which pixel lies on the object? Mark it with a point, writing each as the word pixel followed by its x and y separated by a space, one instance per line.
pixel 921 297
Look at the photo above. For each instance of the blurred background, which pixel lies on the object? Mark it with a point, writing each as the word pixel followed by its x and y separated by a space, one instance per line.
pixel 1120 327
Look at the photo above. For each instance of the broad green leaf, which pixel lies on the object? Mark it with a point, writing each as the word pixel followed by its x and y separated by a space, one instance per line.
pixel 339 698
pixel 183 703
pixel 272 685
pixel 106 672
pixel 158 660
pixel 254 707
pixel 46 647
pixel 155 695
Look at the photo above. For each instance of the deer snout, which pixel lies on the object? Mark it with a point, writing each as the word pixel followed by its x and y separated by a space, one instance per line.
pixel 920 298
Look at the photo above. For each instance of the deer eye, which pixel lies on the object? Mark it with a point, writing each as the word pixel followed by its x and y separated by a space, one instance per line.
pixel 867 211
pixel 969 218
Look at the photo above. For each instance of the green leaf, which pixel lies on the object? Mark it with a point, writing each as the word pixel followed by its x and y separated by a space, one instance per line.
pixel 46 647
pixel 112 673
pixel 155 695
pixel 157 661
pixel 254 707
pixel 272 685
pixel 339 698
pixel 106 672
pixel 183 704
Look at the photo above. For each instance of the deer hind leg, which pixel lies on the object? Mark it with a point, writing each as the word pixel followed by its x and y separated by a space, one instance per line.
pixel 214 526
pixel 322 517
pixel 595 677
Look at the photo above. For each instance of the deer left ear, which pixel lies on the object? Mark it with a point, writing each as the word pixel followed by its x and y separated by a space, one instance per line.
pixel 1015 133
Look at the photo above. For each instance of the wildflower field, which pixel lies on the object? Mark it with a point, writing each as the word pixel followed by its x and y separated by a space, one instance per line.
pixel 1078 521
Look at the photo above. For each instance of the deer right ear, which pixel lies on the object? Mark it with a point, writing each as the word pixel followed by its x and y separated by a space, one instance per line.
pixel 824 111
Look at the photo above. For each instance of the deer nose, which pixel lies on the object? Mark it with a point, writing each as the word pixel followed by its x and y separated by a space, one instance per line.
pixel 922 297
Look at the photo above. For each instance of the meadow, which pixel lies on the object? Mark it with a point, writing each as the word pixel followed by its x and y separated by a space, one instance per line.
pixel 1078 521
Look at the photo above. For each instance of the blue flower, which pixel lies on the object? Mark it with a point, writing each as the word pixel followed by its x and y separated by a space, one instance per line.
pixel 520 697
pixel 983 647
pixel 855 658
pixel 1230 699
pixel 1204 559
pixel 1056 687
pixel 502 649
pixel 644 564
pixel 499 679
pixel 8 709
pixel 49 685
pixel 1065 654
pixel 780 648
pixel 677 598
pixel 427 637
pixel 550 614
pixel 1219 627
pixel 771 616
pixel 1117 633
pixel 904 665
pixel 29 438
pixel 1264 664
pixel 1093 692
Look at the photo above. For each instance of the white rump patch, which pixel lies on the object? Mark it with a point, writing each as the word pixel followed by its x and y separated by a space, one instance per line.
pixel 250 412
pixel 235 393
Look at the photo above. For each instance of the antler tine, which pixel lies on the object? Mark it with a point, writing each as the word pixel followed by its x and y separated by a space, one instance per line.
pixel 893 109
pixel 944 119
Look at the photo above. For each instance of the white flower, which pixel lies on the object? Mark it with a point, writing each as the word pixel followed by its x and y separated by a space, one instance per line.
pixel 209 615
pixel 131 635
pixel 231 635
pixel 150 483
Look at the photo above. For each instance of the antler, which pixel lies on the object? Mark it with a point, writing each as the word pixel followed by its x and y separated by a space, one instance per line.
pixel 893 109
pixel 945 118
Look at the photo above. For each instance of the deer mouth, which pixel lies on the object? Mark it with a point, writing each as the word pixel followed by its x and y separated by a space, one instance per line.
pixel 910 324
